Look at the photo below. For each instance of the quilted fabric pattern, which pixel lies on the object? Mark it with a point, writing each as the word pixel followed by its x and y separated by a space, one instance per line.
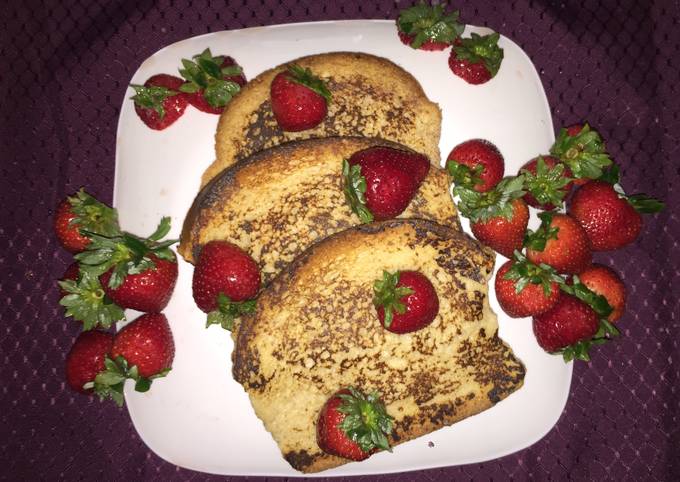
pixel 62 80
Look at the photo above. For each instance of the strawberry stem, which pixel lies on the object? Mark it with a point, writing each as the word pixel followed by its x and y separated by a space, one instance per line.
pixel 366 420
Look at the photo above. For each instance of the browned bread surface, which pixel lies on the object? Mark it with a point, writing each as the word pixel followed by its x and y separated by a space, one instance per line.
pixel 372 97
pixel 280 201
pixel 316 331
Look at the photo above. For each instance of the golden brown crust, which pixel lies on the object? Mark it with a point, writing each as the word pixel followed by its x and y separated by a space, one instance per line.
pixel 279 201
pixel 364 104
pixel 315 331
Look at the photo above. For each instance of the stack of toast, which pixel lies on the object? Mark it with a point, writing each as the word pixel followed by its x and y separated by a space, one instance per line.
pixel 278 195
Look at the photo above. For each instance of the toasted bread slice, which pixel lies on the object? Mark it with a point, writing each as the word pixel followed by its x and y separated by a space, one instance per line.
pixel 280 201
pixel 372 97
pixel 316 331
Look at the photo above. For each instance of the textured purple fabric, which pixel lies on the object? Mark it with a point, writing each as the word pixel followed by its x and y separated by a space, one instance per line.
pixel 64 70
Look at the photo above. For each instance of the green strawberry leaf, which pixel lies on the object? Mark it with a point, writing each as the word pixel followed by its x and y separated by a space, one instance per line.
pixel 645 204
pixel 93 216
pixel 232 70
pixel 523 272
pixel 389 296
pixel 547 184
pixel 429 23
pixel 584 153
pixel 228 311
pixel 308 79
pixel 483 206
pixel 481 48
pixel 151 97
pixel 86 302
pixel 218 93
pixel 205 73
pixel 354 187
pixel 463 175
pixel 366 420
pixel 536 240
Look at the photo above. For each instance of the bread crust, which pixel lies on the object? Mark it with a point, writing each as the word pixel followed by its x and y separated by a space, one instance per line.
pixel 315 331
pixel 372 97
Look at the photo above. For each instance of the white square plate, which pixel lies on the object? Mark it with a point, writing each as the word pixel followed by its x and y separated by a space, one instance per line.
pixel 199 417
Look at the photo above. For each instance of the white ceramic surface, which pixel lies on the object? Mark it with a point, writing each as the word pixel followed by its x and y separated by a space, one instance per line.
pixel 199 417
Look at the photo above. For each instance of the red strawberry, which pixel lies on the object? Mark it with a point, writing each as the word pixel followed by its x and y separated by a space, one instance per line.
pixel 299 99
pixel 225 277
pixel 146 343
pixel 148 291
pixel 379 182
pixel 405 301
pixel 476 164
pixel 547 181
pixel 476 59
pixel 137 273
pixel 211 82
pixel 566 324
pixel 610 218
pixel 525 289
pixel 559 242
pixel 583 152
pixel 428 28
pixel 86 358
pixel 159 102
pixel 498 218
pixel 82 211
pixel 604 281
pixel 353 426
pixel 72 273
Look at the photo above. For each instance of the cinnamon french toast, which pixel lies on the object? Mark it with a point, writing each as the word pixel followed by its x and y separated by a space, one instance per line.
pixel 371 97
pixel 279 201
pixel 316 331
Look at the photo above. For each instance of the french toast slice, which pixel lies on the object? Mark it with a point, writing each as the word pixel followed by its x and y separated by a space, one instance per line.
pixel 316 331
pixel 281 200
pixel 372 97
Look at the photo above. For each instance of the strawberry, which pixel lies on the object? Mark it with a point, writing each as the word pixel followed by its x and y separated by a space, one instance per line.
pixel 547 181
pixel 405 301
pixel 299 99
pixel 476 59
pixel 498 218
pixel 476 164
pixel 135 272
pixel 86 358
pixel 211 82
pixel 560 242
pixel 428 28
pixel 148 291
pixel 604 281
pixel 158 102
pixel 379 182
pixel 610 218
pixel 574 130
pixel 584 152
pixel 86 301
pixel 142 351
pixel 526 289
pixel 226 279
pixel 567 323
pixel 353 425
pixel 72 273
pixel 82 212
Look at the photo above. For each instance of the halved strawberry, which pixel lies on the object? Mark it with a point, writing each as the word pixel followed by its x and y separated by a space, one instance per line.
pixel 405 301
pixel 211 82
pixel 379 182
pixel 427 27
pixel 82 213
pixel 353 425
pixel 299 99
pixel 477 59
pixel 159 102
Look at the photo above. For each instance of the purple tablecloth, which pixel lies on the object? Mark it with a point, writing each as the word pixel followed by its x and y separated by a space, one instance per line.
pixel 63 74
